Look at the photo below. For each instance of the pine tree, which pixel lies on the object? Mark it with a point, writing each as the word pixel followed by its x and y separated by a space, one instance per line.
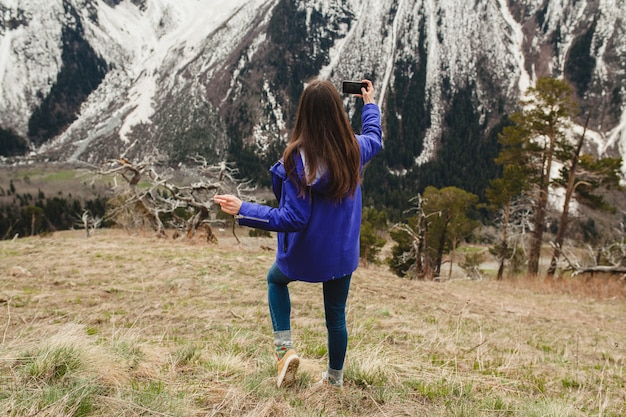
pixel 588 174
pixel 536 141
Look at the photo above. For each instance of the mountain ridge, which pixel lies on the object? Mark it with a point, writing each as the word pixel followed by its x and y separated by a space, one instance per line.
pixel 222 78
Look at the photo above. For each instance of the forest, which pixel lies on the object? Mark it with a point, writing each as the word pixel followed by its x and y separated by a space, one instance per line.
pixel 24 214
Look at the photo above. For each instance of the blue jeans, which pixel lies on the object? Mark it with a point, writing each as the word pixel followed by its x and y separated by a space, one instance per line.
pixel 335 296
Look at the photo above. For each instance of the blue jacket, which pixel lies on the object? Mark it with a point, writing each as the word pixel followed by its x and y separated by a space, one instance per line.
pixel 318 239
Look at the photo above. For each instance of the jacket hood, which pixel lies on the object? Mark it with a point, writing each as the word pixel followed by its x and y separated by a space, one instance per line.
pixel 320 183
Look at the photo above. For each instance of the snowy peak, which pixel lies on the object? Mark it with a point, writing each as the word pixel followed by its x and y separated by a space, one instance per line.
pixel 94 79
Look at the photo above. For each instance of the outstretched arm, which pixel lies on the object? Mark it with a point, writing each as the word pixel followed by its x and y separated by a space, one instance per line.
pixel 292 216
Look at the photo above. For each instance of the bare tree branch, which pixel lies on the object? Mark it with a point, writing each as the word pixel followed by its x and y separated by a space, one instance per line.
pixel 150 193
pixel 88 223
pixel 614 254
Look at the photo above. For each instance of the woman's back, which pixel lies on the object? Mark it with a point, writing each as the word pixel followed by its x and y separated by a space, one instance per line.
pixel 322 132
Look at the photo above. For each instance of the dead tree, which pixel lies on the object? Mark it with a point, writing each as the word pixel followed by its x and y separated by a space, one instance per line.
pixel 152 194
pixel 422 267
pixel 576 268
pixel 516 221
pixel 609 258
pixel 89 223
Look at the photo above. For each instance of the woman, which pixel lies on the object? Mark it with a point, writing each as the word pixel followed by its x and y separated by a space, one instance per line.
pixel 317 184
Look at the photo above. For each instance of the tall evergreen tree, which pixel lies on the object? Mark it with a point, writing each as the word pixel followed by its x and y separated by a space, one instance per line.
pixel 588 174
pixel 536 141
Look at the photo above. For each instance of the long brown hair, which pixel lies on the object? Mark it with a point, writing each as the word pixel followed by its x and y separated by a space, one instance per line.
pixel 323 132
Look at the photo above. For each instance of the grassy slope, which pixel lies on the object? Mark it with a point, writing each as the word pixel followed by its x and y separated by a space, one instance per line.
pixel 128 324
pixel 54 180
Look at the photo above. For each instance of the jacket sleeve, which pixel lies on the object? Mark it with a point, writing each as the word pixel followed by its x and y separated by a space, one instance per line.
pixel 371 137
pixel 292 215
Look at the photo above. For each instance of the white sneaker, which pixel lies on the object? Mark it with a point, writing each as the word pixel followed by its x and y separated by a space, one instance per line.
pixel 328 380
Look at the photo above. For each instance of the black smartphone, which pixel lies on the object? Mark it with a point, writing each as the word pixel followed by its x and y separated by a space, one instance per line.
pixel 353 87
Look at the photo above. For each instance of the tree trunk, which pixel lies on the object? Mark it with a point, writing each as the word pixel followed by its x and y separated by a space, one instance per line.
pixel 504 246
pixel 440 248
pixel 571 182
pixel 537 237
pixel 420 271
pixel 452 252
pixel 542 203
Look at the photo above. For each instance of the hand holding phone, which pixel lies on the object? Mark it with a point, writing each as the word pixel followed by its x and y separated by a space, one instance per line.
pixel 353 87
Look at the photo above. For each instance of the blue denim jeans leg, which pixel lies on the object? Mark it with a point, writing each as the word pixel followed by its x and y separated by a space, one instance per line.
pixel 278 299
pixel 335 297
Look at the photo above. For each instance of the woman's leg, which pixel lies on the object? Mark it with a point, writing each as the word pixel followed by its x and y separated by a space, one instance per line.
pixel 278 299
pixel 335 297
pixel 280 310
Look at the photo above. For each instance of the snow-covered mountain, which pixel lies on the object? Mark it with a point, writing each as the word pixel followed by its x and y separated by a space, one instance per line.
pixel 95 79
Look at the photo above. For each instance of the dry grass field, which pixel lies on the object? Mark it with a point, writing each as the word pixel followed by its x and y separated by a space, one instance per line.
pixel 127 324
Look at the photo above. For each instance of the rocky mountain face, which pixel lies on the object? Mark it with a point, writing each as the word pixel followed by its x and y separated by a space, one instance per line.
pixel 88 80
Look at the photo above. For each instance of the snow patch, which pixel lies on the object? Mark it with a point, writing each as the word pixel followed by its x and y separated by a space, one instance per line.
pixel 617 138
pixel 515 45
